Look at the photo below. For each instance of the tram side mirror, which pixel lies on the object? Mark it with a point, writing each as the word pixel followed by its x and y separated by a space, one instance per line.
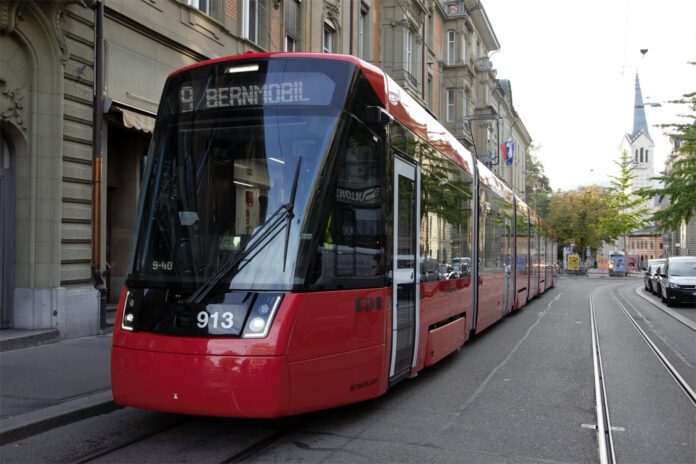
pixel 376 116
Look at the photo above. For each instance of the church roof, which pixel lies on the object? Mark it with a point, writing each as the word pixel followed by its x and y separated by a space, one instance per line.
pixel 640 123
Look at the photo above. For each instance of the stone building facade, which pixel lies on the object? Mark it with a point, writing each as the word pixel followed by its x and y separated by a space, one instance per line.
pixel 69 185
pixel 46 94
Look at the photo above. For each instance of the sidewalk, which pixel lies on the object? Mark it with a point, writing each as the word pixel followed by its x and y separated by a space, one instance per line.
pixel 51 384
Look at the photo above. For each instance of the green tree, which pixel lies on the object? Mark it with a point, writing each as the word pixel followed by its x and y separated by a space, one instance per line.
pixel 576 216
pixel 537 184
pixel 628 211
pixel 679 180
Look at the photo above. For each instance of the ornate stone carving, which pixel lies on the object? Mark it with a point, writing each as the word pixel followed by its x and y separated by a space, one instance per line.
pixel 332 12
pixel 12 109
pixel 8 17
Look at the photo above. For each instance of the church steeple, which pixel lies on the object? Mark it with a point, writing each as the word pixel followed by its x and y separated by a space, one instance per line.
pixel 640 123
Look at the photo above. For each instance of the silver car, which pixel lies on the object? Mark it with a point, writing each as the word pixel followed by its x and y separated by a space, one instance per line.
pixel 678 280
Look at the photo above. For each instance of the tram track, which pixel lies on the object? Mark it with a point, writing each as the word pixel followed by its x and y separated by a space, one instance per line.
pixel 604 429
pixel 100 453
pixel 604 432
pixel 670 312
pixel 681 381
pixel 257 446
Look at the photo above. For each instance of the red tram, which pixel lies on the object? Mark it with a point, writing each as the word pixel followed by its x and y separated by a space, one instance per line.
pixel 308 236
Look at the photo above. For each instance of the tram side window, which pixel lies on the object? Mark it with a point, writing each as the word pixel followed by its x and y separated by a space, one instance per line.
pixel 495 221
pixel 521 262
pixel 351 250
pixel 446 218
pixel 534 245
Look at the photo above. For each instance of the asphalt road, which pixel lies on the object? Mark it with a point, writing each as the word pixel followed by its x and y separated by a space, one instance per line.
pixel 523 391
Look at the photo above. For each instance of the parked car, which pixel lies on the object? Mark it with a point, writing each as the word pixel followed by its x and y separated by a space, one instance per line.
pixel 657 280
pixel 678 280
pixel 650 271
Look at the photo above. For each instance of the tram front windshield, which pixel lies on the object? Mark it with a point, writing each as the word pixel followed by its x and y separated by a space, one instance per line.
pixel 232 146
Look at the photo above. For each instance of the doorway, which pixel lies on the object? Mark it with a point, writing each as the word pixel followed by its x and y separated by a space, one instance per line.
pixel 406 265
pixel 7 225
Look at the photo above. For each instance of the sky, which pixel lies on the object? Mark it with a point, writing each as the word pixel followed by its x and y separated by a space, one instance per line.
pixel 572 68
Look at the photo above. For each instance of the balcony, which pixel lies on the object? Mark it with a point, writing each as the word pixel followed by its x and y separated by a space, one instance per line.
pixel 483 64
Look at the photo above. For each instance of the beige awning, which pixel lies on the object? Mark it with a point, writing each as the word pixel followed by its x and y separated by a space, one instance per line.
pixel 137 121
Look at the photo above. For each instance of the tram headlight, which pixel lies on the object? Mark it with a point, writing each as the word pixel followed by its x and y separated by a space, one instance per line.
pixel 261 317
pixel 128 317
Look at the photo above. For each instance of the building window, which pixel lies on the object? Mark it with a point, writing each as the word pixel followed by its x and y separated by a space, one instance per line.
pixel 202 5
pixel 292 25
pixel 329 37
pixel 465 103
pixel 364 33
pixel 646 156
pixel 408 50
pixel 450 105
pixel 431 28
pixel 450 47
pixel 462 52
pixel 250 18
pixel 636 155
pixel 641 155
pixel 429 96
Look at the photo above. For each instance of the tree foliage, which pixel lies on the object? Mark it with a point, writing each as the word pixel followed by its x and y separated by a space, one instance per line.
pixel 678 181
pixel 537 186
pixel 577 216
pixel 629 212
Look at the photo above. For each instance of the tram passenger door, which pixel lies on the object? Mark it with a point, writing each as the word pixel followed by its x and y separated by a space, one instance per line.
pixel 406 276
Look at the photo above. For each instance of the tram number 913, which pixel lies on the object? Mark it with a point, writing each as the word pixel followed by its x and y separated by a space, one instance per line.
pixel 221 319
pixel 215 320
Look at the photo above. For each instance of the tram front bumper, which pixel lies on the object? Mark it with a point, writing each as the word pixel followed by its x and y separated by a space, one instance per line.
pixel 198 384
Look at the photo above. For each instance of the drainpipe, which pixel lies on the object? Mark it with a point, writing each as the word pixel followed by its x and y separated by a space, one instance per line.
pixel 352 13
pixel 97 274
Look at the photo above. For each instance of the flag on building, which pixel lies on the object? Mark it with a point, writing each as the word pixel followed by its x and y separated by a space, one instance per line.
pixel 509 151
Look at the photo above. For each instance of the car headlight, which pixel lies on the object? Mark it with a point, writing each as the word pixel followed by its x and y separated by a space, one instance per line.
pixel 671 285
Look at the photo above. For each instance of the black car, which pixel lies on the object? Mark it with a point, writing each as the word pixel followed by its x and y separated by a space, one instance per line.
pixel 649 274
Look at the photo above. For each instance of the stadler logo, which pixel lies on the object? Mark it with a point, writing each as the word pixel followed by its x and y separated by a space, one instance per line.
pixel 364 196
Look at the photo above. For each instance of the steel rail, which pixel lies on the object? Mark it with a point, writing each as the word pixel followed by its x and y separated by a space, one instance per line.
pixel 604 436
pixel 687 322
pixel 686 388
pixel 93 456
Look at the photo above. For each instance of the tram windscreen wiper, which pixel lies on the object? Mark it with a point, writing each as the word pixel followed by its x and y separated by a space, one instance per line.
pixel 280 219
